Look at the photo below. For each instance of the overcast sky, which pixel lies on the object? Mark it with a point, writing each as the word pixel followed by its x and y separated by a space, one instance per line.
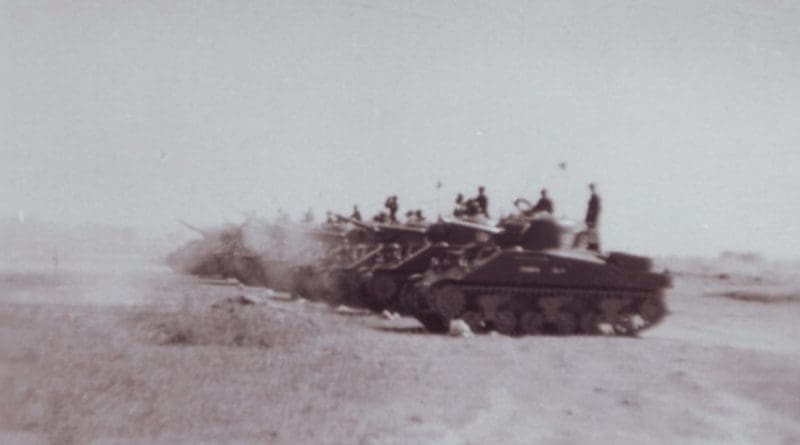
pixel 686 114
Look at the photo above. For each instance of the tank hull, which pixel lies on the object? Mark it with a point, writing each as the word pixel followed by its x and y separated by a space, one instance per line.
pixel 518 292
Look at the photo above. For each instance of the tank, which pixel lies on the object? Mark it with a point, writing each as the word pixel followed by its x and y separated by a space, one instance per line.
pixel 530 278
pixel 266 254
pixel 308 277
pixel 387 280
pixel 195 258
pixel 372 246
pixel 218 253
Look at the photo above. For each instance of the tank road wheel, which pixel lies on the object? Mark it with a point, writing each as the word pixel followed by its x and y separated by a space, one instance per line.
pixel 652 310
pixel 349 286
pixel 566 323
pixel 610 309
pixel 505 322
pixel 447 301
pixel 433 322
pixel 382 290
pixel 299 283
pixel 532 323
pixel 318 287
pixel 590 323
pixel 331 293
pixel 248 271
pixel 309 285
pixel 417 296
pixel 625 325
pixel 474 320
pixel 407 299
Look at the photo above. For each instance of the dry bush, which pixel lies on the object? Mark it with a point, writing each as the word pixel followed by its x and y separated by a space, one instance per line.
pixel 234 321
pixel 758 296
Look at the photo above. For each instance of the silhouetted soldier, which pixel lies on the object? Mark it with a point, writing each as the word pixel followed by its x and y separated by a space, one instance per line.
pixel 592 216
pixel 309 216
pixel 391 205
pixel 460 208
pixel 593 210
pixel 473 207
pixel 419 216
pixel 356 214
pixel 544 204
pixel 483 202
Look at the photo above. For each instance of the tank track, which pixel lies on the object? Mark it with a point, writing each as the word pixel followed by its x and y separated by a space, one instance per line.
pixel 525 311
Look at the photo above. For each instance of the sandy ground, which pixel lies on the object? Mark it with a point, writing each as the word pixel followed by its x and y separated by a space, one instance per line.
pixel 122 352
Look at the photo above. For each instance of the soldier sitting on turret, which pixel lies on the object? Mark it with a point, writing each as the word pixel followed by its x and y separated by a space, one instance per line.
pixel 544 204
pixel 381 217
pixel 415 218
pixel 472 208
pixel 461 208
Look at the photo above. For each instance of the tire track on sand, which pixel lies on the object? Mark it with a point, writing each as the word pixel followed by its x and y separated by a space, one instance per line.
pixel 500 421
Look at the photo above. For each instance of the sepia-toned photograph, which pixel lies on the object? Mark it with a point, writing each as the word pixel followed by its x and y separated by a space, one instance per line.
pixel 369 222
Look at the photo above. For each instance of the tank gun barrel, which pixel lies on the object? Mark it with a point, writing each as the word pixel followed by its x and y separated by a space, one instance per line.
pixel 475 226
pixel 194 228
pixel 357 223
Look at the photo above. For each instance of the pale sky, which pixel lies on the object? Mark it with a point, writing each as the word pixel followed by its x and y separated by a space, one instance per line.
pixel 685 113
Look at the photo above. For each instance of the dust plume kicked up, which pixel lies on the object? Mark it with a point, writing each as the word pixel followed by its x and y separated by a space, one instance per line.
pixel 256 252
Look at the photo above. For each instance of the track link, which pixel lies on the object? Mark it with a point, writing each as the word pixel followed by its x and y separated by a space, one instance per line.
pixel 524 311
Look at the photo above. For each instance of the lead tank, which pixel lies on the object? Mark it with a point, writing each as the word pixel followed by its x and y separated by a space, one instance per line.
pixel 528 278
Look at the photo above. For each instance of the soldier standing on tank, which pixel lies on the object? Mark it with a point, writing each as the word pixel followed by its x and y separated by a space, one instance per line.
pixel 483 202
pixel 308 218
pixel 592 216
pixel 544 204
pixel 356 214
pixel 391 205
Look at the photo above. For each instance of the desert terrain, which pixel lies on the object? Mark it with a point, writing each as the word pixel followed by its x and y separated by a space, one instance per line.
pixel 130 128
pixel 120 350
